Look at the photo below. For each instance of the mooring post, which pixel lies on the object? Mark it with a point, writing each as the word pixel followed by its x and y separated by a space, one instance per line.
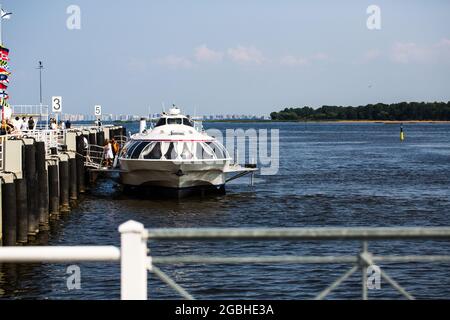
pixel 64 182
pixel 32 193
pixel 43 196
pixel 22 210
pixel 100 138
pixel 134 261
pixel 9 210
pixel 73 179
pixel 22 202
pixel 53 186
pixel 92 138
pixel 80 164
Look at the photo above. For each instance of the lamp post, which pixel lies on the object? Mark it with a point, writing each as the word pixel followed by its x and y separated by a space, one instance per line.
pixel 40 67
pixel 3 15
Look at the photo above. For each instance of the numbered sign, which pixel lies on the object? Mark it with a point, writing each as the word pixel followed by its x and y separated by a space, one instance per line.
pixel 56 104
pixel 98 111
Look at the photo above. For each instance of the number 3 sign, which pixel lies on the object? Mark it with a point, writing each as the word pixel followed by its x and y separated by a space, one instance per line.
pixel 56 104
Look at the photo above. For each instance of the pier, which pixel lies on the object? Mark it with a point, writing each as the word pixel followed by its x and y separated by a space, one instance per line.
pixel 43 173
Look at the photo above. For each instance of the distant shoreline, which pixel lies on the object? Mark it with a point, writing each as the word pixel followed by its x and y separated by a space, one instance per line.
pixel 317 121
pixel 389 121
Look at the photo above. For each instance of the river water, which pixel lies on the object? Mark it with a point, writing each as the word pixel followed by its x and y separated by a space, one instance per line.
pixel 330 175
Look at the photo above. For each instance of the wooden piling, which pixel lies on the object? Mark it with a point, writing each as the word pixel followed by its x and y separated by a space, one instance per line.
pixel 22 210
pixel 9 210
pixel 80 165
pixel 53 186
pixel 43 197
pixel 22 203
pixel 64 184
pixel 92 138
pixel 73 180
pixel 31 178
pixel 100 138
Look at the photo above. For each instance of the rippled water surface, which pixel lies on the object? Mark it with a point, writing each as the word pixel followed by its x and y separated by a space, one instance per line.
pixel 330 175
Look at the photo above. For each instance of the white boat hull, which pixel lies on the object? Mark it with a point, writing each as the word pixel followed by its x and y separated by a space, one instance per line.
pixel 172 174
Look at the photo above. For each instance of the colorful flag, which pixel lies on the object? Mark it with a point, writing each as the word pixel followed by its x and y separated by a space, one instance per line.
pixel 4 102
pixel 3 56
pixel 3 87
pixel 3 77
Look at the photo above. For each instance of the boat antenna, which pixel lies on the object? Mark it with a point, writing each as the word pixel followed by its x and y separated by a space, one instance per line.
pixel 163 107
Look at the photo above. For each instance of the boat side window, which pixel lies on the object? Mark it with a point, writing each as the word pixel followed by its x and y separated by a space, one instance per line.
pixel 138 149
pixel 204 151
pixel 123 153
pixel 161 122
pixel 217 150
pixel 130 149
pixel 171 154
pixel 152 151
pixel 186 122
pixel 174 120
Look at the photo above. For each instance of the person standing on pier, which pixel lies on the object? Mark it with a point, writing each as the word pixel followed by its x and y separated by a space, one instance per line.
pixel 24 126
pixel 31 124
pixel 17 124
pixel 115 147
pixel 108 154
pixel 5 128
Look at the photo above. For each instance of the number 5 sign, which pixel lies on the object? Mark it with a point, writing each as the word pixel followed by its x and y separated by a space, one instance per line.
pixel 98 110
pixel 56 104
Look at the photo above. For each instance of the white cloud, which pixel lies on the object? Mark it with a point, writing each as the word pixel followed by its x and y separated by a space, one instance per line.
pixel 204 54
pixel 175 62
pixel 370 55
pixel 246 55
pixel 320 56
pixel 292 61
pixel 411 52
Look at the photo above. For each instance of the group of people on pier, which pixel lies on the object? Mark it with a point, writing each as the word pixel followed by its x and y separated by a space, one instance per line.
pixel 53 124
pixel 17 125
pixel 111 149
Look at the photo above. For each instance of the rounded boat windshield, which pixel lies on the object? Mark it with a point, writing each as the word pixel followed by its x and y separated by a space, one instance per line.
pixel 176 150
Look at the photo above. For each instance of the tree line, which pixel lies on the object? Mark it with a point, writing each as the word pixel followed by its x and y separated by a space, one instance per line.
pixel 403 111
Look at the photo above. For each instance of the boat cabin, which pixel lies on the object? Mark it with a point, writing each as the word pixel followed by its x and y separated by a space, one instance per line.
pixel 174 150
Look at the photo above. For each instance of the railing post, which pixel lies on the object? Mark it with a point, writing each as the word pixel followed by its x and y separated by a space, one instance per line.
pixel 134 262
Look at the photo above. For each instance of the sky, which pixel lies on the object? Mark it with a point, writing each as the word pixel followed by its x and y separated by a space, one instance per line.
pixel 227 57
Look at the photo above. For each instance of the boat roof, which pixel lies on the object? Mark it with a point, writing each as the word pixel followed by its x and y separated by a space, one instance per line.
pixel 175 131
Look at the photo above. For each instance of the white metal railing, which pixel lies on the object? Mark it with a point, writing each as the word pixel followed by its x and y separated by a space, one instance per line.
pixel 95 156
pixel 132 256
pixel 362 260
pixel 51 138
pixel 30 110
pixel 135 262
